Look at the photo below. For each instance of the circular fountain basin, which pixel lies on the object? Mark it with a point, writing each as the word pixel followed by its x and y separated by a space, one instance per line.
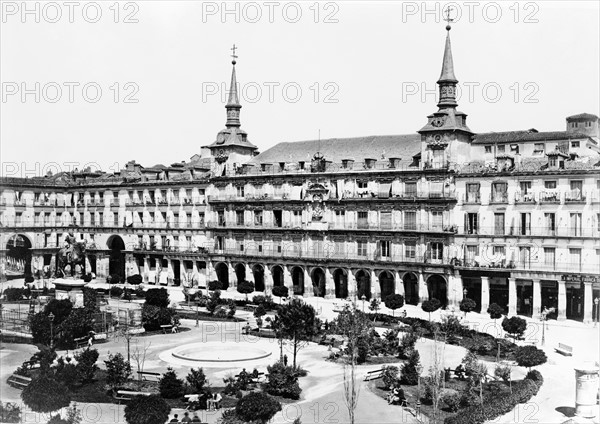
pixel 219 352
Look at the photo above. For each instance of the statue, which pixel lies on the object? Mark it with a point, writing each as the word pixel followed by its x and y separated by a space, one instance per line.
pixel 72 255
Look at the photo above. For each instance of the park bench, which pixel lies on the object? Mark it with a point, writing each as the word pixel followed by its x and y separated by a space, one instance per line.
pixel 564 349
pixel 253 379
pixel 373 375
pixel 81 342
pixel 149 376
pixel 166 327
pixel 125 395
pixel 31 364
pixel 18 381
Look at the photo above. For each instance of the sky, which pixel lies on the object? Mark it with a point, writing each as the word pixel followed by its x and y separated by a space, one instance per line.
pixel 102 83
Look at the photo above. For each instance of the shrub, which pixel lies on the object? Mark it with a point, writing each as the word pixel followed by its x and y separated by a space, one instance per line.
pixel 29 279
pixel 407 344
pixel 86 364
pixel 452 401
pixel 496 311
pixel 170 386
pixel 213 302
pixel 157 297
pixel 514 326
pixel 12 294
pixel 282 381
pixel 390 376
pixel 66 373
pixel 115 279
pixel 231 308
pixel 87 278
pixel 45 394
pixel 118 370
pixel 153 317
pixel 215 285
pixel 139 291
pixel 394 301
pixel 467 305
pixel 57 419
pixel 410 375
pixel 280 291
pixel 147 410
pixel 10 412
pixel 530 356
pixel 116 291
pixel 451 326
pixel 502 372
pixel 245 287
pixel 430 306
pixel 196 379
pixel 536 376
pixel 257 406
pixel 135 279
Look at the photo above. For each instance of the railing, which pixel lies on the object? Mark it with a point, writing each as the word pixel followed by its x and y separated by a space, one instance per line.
pixel 549 197
pixel 451 229
pixel 529 265
pixel 499 197
pixel 531 231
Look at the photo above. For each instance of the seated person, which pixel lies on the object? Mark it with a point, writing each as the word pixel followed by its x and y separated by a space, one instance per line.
pixel 196 419
pixel 459 371
pixel 217 398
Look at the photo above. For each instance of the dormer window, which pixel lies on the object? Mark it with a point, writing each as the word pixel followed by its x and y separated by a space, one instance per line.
pixel 538 148
pixel 514 148
pixel 574 144
pixel 370 163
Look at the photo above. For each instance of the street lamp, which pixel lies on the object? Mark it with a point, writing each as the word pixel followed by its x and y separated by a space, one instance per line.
pixel 197 303
pixel 465 292
pixel 419 369
pixel 51 317
pixel 363 298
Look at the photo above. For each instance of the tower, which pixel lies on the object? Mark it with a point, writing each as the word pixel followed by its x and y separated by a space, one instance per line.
pixel 446 130
pixel 231 149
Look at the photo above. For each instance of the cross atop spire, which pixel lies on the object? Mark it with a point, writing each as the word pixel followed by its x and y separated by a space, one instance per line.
pixel 448 18
pixel 233 103
pixel 234 56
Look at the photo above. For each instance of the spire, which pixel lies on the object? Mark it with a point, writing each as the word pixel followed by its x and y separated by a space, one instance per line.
pixel 447 81
pixel 233 104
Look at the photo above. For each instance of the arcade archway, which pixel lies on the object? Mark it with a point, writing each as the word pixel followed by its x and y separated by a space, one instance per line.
pixel 318 282
pixel 437 289
pixel 386 284
pixel 17 262
pixel 259 277
pixel 411 288
pixel 240 272
pixel 340 280
pixel 222 271
pixel 116 262
pixel 363 284
pixel 277 274
pixel 298 280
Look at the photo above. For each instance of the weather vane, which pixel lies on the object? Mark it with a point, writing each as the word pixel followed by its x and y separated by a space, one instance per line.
pixel 448 18
pixel 233 49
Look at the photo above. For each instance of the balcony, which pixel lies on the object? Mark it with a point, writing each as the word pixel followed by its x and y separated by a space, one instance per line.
pixel 518 231
pixel 550 196
pixel 499 197
pixel 525 198
pixel 472 198
pixel 575 196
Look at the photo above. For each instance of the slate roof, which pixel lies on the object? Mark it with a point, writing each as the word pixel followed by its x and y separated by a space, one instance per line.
pixel 583 116
pixel 336 149
pixel 529 135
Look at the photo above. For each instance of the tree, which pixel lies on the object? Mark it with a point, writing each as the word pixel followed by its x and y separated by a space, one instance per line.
pixel 245 287
pixel 374 306
pixel 257 406
pixel 280 291
pixel 170 386
pixel 496 311
pixel 467 305
pixel 476 371
pixel 147 410
pixel 116 291
pixel 157 297
pixel 139 356
pixel 135 279
pixel 118 370
pixel 213 302
pixel 154 316
pixel 298 322
pixel 86 364
pixel 514 326
pixel 430 306
pixel 196 379
pixel 45 394
pixel 282 381
pixel 215 285
pixel 390 375
pixel 90 300
pixel 410 374
pixel 394 301
pixel 530 356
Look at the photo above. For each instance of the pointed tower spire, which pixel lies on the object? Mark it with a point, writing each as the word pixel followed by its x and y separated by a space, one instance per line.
pixel 447 81
pixel 233 103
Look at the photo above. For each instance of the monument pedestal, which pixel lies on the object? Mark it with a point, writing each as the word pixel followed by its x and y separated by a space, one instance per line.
pixel 586 377
pixel 70 288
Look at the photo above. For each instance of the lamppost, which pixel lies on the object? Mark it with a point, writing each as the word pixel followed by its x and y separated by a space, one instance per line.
pixel 419 369
pixel 465 292
pixel 197 303
pixel 51 317
pixel 363 298
pixel 596 301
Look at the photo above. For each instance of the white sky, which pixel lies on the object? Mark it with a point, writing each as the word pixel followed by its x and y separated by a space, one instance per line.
pixel 370 56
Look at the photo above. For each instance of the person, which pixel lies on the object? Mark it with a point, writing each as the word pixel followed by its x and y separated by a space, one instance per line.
pixel 175 419
pixel 186 418
pixel 217 399
pixel 210 403
pixel 285 360
pixel 196 419
pixel 404 313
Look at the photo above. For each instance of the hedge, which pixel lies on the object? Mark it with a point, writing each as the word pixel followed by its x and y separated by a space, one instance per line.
pixel 496 406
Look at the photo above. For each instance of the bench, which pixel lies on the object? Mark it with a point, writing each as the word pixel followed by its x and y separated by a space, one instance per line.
pixel 126 395
pixel 18 381
pixel 31 364
pixel 564 349
pixel 149 376
pixel 81 342
pixel 373 375
pixel 166 327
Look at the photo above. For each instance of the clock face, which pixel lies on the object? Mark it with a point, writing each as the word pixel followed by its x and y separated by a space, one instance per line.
pixel 437 122
pixel 221 152
pixel 437 137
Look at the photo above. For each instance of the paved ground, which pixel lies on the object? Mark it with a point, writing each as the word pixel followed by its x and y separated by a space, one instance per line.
pixel 323 394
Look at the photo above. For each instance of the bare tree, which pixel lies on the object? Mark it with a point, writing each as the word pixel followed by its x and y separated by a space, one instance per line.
pixel 139 356
pixel 436 372
pixel 354 326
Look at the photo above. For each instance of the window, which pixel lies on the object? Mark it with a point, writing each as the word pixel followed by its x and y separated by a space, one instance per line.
pixel 525 256
pixel 499 192
pixel 410 189
pixel 436 190
pixel 240 191
pixel 499 253
pixel 525 227
pixel 297 218
pixel 410 249
pixel 363 220
pixel 538 148
pixel 278 218
pixel 384 248
pixel 576 190
pixel 552 161
pixel 221 218
pixel 473 193
pixel 278 190
pixel 575 259
pixel 410 220
pixel 501 148
pixel 362 184
pixel 220 243
pixel 514 148
pixel 574 144
pixel 258 218
pixel 385 220
pixel 550 257
pixel 436 251
pixel 550 185
pixel 471 253
pixel 525 187
pixel 239 217
pixel 488 149
pixel 361 248
pixel 240 244
pixel 340 217
pixel 437 220
pixel 575 224
pixel 499 224
pixel 550 220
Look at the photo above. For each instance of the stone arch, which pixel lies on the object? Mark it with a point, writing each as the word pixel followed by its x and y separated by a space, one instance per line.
pixel 240 272
pixel 277 275
pixel 318 281
pixel 340 281
pixel 411 288
pixel 116 261
pixel 298 280
pixel 363 284
pixel 18 256
pixel 222 271
pixel 258 271
pixel 437 288
pixel 386 283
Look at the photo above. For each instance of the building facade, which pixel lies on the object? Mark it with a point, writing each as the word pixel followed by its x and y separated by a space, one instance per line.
pixel 510 218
